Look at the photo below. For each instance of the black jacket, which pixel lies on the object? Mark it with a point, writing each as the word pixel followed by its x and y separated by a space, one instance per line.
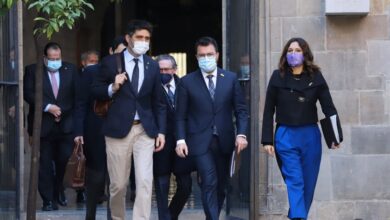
pixel 294 100
pixel 66 99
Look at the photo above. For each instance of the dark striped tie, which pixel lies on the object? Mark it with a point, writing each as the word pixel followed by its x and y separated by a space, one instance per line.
pixel 171 95
pixel 211 86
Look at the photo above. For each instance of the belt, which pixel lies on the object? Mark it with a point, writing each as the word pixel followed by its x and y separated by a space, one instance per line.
pixel 136 122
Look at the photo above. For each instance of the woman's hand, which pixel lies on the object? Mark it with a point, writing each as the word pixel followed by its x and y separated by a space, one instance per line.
pixel 270 149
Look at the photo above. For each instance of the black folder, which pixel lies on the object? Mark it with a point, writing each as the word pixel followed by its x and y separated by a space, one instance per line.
pixel 331 129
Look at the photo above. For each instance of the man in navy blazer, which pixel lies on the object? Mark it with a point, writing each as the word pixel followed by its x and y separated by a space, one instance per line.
pixel 60 82
pixel 136 120
pixel 207 100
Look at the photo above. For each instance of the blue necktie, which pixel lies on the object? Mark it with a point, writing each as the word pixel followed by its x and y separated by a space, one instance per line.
pixel 171 96
pixel 211 86
pixel 135 76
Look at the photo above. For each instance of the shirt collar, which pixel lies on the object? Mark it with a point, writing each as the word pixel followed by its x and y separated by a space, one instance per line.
pixel 214 73
pixel 129 57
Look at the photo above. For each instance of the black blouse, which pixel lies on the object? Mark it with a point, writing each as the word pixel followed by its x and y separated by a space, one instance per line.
pixel 294 100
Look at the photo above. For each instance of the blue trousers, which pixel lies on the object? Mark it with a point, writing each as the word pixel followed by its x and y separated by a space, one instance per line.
pixel 298 152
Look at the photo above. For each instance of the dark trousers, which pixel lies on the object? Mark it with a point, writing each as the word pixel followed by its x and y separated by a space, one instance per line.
pixel 183 191
pixel 55 151
pixel 213 169
pixel 298 150
pixel 95 182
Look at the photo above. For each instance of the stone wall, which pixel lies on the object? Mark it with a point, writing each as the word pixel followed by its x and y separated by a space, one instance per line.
pixel 354 54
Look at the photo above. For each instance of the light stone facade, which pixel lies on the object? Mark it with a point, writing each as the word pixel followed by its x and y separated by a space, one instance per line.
pixel 354 54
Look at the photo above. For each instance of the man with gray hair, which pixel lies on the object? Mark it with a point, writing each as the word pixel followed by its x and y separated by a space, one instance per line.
pixel 90 57
pixel 166 161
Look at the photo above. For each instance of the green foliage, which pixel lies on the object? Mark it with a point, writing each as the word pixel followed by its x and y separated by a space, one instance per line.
pixel 54 14
pixel 5 5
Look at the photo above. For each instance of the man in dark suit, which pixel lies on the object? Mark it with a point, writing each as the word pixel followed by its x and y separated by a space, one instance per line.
pixel 166 161
pixel 136 120
pixel 207 99
pixel 59 97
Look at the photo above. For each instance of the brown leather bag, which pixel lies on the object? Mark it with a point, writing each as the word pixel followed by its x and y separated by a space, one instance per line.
pixel 75 168
pixel 101 107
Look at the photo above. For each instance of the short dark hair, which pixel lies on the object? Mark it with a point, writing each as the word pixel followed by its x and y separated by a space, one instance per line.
pixel 167 57
pixel 51 45
pixel 136 25
pixel 205 41
pixel 117 41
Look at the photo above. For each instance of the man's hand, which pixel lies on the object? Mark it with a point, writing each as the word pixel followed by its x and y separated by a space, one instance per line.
pixel 160 142
pixel 55 110
pixel 269 149
pixel 119 80
pixel 79 140
pixel 241 143
pixel 181 150
pixel 334 146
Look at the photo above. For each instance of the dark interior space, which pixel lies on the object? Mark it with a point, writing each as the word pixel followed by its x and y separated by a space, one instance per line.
pixel 177 24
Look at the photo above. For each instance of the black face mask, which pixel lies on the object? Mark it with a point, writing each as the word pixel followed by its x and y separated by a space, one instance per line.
pixel 166 78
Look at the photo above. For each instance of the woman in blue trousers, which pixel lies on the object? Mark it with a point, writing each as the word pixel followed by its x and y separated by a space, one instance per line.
pixel 292 94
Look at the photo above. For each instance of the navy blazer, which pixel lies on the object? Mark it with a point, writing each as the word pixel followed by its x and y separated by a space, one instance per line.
pixel 197 113
pixel 66 98
pixel 148 102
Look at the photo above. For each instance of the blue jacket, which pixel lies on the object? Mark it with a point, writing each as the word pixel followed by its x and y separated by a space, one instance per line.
pixel 197 113
pixel 149 102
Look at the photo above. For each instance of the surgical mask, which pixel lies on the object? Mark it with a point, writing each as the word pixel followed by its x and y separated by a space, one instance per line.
pixel 54 65
pixel 294 59
pixel 244 69
pixel 166 78
pixel 140 47
pixel 207 64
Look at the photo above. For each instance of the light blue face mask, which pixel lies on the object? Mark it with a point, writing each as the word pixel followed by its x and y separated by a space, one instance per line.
pixel 54 65
pixel 207 64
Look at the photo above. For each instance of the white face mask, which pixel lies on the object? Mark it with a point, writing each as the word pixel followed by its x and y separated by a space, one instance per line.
pixel 140 47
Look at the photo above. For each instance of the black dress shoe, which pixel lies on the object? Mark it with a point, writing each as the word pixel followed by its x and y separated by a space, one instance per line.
pixel 62 201
pixel 80 196
pixel 49 206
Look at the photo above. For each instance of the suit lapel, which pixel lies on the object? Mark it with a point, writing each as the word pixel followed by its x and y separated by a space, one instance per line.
pixel 47 84
pixel 62 76
pixel 147 75
pixel 203 85
pixel 219 87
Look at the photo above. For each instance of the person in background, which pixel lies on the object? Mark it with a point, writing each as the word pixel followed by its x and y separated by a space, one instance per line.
pixel 166 161
pixel 60 85
pixel 292 93
pixel 88 58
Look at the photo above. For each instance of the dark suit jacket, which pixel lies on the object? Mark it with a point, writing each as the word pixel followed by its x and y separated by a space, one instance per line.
pixel 197 113
pixel 148 102
pixel 66 98
pixel 88 124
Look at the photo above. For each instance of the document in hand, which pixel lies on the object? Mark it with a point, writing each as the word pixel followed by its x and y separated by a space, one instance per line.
pixel 235 163
pixel 331 129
